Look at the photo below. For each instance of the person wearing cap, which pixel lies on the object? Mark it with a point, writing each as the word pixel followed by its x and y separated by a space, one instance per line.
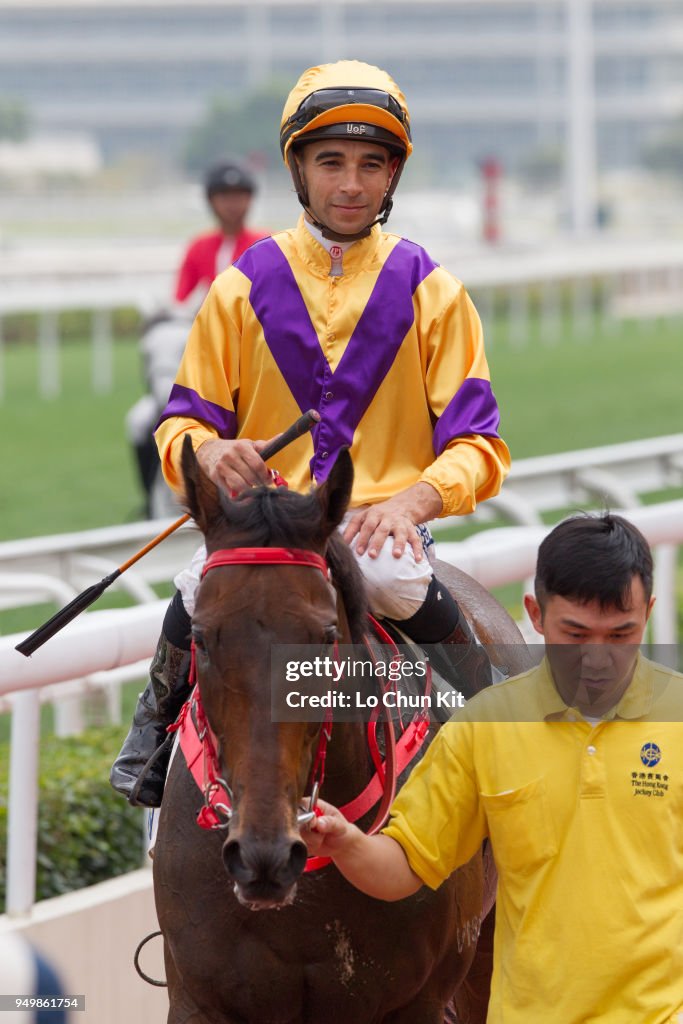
pixel 340 316
pixel 573 772
pixel 229 187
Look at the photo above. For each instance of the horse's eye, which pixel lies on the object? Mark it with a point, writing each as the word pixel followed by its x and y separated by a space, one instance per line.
pixel 198 640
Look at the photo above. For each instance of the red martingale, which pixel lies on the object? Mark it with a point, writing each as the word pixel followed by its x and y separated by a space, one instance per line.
pixel 199 746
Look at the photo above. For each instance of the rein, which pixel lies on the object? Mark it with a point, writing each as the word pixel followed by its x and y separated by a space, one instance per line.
pixel 202 758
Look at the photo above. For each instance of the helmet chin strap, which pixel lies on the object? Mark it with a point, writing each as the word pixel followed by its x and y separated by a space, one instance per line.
pixel 337 236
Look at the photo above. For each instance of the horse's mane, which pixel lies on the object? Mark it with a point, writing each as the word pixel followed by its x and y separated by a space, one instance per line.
pixel 276 517
pixel 349 581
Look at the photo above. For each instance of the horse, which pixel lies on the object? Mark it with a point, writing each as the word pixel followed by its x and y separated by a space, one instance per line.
pixel 250 936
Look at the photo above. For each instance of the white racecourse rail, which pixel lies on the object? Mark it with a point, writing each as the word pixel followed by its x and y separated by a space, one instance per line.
pixel 104 640
pixel 640 282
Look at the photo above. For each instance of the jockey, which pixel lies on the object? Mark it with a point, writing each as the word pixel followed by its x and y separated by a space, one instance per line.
pixel 362 325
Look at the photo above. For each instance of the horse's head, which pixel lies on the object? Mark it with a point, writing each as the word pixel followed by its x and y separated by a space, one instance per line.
pixel 241 611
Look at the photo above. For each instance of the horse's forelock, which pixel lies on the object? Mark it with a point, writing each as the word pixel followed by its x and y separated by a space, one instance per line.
pixel 267 516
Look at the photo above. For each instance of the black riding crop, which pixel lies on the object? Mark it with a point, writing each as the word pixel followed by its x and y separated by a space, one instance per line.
pixel 90 595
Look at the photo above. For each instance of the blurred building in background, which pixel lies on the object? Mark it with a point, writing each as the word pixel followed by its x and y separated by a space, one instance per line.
pixel 535 116
pixel 483 76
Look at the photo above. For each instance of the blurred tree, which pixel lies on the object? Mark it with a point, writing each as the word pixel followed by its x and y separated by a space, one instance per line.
pixel 245 127
pixel 542 167
pixel 15 122
pixel 664 154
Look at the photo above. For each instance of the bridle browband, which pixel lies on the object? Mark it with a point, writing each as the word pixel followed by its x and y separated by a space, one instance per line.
pixel 266 556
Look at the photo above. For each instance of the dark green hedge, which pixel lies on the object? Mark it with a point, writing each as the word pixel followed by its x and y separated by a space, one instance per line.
pixel 86 832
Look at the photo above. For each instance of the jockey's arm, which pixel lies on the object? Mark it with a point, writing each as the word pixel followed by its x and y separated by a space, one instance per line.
pixel 375 864
pixel 398 516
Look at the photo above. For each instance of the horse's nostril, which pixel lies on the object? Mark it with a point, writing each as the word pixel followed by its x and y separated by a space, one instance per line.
pixel 258 863
pixel 234 865
pixel 297 858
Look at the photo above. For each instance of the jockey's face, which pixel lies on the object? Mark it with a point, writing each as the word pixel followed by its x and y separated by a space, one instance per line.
pixel 230 208
pixel 346 181
pixel 591 650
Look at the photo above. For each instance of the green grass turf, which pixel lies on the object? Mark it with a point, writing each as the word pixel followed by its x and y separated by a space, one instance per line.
pixel 582 394
pixel 66 462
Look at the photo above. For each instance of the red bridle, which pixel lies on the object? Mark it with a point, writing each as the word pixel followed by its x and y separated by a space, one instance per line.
pixel 266 556
pixel 216 812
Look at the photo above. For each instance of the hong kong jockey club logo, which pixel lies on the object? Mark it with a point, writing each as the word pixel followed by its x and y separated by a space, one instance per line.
pixel 336 252
pixel 650 754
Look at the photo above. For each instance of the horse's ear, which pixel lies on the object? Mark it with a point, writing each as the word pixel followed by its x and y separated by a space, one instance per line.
pixel 201 495
pixel 335 494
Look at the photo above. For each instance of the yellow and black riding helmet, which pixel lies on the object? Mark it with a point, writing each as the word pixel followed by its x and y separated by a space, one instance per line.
pixel 346 100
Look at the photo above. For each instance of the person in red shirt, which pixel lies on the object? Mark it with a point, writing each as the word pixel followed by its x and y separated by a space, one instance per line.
pixel 230 189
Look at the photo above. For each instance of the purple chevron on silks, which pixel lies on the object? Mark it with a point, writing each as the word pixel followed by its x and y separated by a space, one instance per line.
pixel 341 397
pixel 472 410
pixel 287 328
pixel 186 402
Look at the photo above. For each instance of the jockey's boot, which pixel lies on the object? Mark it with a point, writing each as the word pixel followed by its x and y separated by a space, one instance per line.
pixel 139 772
pixel 440 626
pixel 467 664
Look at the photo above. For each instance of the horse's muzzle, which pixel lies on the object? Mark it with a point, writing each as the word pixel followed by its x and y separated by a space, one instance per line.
pixel 265 873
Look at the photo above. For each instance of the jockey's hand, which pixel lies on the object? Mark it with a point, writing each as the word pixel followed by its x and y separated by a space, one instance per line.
pixel 397 517
pixel 326 835
pixel 234 466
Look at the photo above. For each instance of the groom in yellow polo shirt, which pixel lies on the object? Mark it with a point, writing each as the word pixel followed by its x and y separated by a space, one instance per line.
pixel 574 772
